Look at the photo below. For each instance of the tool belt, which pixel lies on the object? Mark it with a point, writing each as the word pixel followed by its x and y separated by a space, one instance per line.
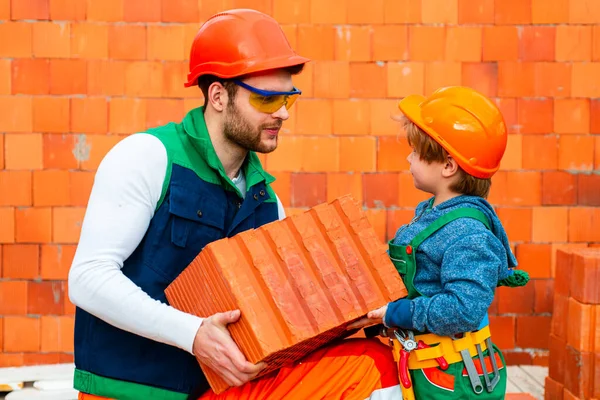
pixel 413 352
pixel 444 346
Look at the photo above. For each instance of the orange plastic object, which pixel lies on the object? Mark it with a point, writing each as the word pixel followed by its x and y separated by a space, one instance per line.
pixel 239 42
pixel 298 283
pixel 465 123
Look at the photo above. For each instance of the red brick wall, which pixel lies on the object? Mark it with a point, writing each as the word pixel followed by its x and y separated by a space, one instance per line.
pixel 78 75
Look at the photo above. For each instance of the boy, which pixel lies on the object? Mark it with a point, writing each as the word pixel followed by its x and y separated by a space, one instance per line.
pixel 454 252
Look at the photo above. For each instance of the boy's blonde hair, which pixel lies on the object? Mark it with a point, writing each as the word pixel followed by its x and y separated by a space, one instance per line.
pixel 430 151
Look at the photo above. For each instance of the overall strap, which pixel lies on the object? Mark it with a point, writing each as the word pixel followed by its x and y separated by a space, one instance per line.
pixel 464 212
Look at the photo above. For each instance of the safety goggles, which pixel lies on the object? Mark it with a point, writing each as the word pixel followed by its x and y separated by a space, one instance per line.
pixel 268 101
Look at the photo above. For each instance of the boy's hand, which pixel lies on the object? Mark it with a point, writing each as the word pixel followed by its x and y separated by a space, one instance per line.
pixel 373 318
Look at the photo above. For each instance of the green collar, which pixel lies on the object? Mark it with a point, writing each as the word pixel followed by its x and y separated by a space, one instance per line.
pixel 194 126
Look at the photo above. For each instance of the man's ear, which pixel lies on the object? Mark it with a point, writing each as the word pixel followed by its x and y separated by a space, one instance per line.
pixel 450 168
pixel 217 96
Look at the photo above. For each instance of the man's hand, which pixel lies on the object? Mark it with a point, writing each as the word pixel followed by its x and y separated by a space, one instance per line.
pixel 214 346
pixel 373 318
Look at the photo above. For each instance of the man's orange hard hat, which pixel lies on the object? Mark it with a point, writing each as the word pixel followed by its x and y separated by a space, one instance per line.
pixel 239 42
pixel 468 125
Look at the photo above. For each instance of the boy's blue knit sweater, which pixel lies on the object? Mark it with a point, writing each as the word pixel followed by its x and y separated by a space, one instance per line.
pixel 458 269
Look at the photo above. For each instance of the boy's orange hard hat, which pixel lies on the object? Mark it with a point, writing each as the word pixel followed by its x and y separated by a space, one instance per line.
pixel 239 42
pixel 468 125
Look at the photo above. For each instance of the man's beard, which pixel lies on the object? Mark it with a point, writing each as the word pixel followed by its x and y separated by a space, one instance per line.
pixel 239 131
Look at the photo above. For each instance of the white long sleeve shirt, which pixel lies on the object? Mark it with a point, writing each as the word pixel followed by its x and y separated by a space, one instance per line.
pixel 122 202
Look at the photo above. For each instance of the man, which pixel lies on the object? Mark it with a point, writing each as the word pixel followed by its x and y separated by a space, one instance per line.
pixel 158 198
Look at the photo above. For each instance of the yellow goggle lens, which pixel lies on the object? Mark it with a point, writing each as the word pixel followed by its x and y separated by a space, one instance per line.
pixel 270 104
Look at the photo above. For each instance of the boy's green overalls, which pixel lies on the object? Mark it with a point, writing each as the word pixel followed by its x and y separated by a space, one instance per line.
pixel 429 381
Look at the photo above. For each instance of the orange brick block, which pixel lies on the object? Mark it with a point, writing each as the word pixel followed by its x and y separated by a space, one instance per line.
pixel 307 190
pixel 556 366
pixel 550 11
pixel 45 298
pixel 560 316
pixel 583 224
pixel 107 11
pixel 576 152
pixel 503 328
pixel 56 333
pixel 144 78
pixel 332 12
pixel 513 12
pixel 7 225
pixel 20 261
pixel 533 331
pixel 13 299
pixel 585 277
pixel 69 10
pixel 558 187
pixel 165 42
pixel 15 188
pixel 553 79
pixel 162 111
pixel 310 275
pixel 51 39
pixel 41 358
pixel 544 295
pixel 575 339
pixel 553 390
pixel 564 268
pixel 21 334
pixel 353 43
pixel 359 14
pixel 550 224
pixel 180 11
pixel 402 11
pixel 358 154
pixel 581 378
pixel 291 11
pixel 535 259
pixel 21 44
pixel 588 189
pixel 517 223
pixel 5 79
pixel 106 77
pixel 519 396
pixel 368 80
pixel 66 224
pixel 341 183
pixel 4 14
pixel 68 76
pixel 568 395
pixel 537 43
pixel 404 79
pixel 583 332
pixel 51 114
pixel 55 262
pixel 332 79
pixel 390 42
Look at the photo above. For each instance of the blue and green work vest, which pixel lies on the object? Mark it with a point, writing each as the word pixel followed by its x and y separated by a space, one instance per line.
pixel 198 204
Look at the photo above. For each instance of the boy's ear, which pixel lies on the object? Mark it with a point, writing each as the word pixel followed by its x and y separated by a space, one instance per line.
pixel 450 168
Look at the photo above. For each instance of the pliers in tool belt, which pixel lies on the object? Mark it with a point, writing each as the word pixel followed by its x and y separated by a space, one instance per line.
pixel 407 340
